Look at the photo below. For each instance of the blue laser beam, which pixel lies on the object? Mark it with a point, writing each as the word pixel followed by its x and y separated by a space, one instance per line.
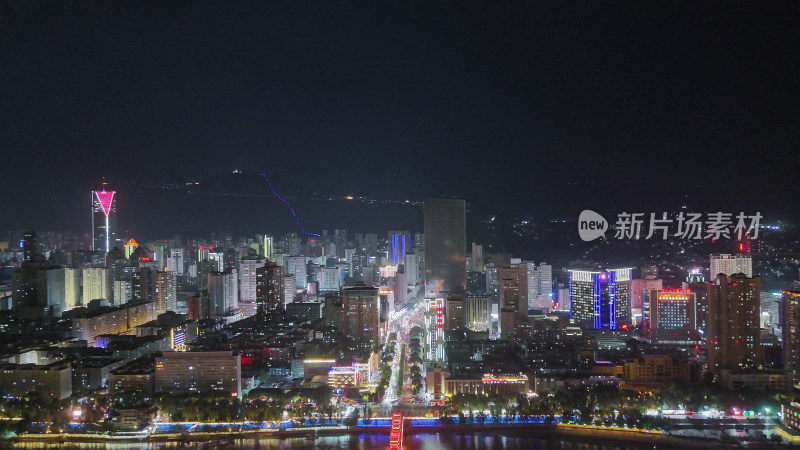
pixel 297 219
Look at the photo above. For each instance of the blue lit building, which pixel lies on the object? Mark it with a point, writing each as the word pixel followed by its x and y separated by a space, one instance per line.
pixel 601 299
pixel 399 242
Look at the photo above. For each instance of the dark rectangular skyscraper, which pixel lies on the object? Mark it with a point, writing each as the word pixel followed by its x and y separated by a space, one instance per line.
pixel 445 246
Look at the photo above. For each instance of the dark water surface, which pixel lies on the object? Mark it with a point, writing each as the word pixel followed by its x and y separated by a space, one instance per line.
pixel 482 441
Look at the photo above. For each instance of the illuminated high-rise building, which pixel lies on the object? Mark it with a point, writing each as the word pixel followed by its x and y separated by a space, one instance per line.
pixel 731 264
pixel 175 261
pixel 166 294
pixel 267 246
pixel 361 315
pixel 734 332
pixel 104 218
pixel 540 286
pixel 453 312
pixel 72 288
pixel 269 287
pixel 412 269
pixel 672 317
pixel 477 258
pixel 399 244
pixel 445 246
pixel 513 288
pixel 296 265
pixel 601 299
pixel 248 284
pixel 223 295
pixel 96 284
pixel 329 279
pixel 130 246
pixel 476 313
pixel 640 289
pixel 371 244
pixel 791 332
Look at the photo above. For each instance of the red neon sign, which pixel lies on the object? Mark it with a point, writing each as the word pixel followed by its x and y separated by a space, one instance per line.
pixel 105 199
pixel 145 258
pixel 678 291
pixel 396 433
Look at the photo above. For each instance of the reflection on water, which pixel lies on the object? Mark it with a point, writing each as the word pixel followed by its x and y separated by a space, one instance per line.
pixel 445 441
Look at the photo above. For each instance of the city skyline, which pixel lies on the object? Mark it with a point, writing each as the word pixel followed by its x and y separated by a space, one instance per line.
pixel 403 225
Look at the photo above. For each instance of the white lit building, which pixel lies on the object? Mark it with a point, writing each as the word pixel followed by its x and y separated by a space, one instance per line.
pixel 731 264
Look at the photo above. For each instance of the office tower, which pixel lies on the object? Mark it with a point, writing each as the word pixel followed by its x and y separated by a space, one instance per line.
pixel 563 299
pixel 540 286
pixel 217 260
pixel 371 244
pixel 477 313
pixel 513 288
pixel 269 287
pixel 28 245
pixel 143 285
pixel 650 272
pixel 130 246
pixel 202 252
pixel 361 315
pixel 412 268
pixel 96 284
pixel 601 299
pixel 329 278
pixel 340 239
pixel 358 262
pixel 179 373
pixel 695 276
pixel 104 213
pixel 672 316
pixel 266 246
pixel 291 244
pixel 400 285
pixel 791 332
pixel 56 289
pixel 123 291
pixel 445 246
pixel 453 312
pixel 296 265
pixel 419 241
pixel 72 288
pixel 492 280
pixel 640 288
pixel 731 264
pixel 248 284
pixel 477 258
pixel 175 262
pixel 733 335
pixel 223 295
pixel 399 244
pixel 289 288
pixel 160 254
pixel 348 258
pixel 166 291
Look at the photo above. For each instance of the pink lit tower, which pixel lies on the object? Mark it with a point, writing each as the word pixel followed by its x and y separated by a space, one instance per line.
pixel 104 215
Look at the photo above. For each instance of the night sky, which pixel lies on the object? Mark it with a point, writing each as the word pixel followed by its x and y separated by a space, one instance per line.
pixel 537 108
